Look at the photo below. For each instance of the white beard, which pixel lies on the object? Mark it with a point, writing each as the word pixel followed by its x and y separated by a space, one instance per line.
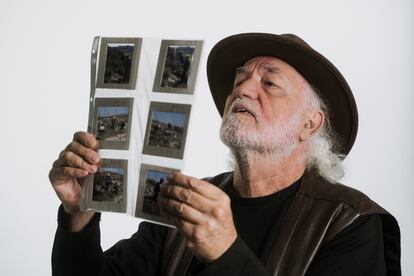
pixel 241 136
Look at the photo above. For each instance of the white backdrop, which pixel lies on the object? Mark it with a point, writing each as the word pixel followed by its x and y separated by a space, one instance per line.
pixel 44 78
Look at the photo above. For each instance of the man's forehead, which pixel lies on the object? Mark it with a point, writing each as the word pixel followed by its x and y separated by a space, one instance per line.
pixel 272 65
pixel 267 62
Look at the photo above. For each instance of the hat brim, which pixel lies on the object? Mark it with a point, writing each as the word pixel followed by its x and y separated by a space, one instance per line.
pixel 234 51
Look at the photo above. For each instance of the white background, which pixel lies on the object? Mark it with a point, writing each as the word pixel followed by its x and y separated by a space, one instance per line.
pixel 44 84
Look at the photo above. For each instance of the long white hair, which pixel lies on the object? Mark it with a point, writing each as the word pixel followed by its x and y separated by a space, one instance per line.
pixel 322 146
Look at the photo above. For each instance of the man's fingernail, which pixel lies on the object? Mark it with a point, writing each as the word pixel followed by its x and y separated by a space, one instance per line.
pixel 95 159
pixel 85 173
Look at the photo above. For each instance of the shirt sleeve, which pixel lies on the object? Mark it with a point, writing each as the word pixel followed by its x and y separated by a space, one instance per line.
pixel 80 253
pixel 356 250
pixel 237 260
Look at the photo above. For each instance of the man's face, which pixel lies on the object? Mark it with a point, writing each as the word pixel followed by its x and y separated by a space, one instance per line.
pixel 266 110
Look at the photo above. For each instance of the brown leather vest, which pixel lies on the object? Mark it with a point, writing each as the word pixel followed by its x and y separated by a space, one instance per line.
pixel 319 211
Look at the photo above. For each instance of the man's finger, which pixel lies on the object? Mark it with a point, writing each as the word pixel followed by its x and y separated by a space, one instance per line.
pixel 65 173
pixel 69 159
pixel 200 186
pixel 86 139
pixel 187 196
pixel 184 226
pixel 86 153
pixel 180 210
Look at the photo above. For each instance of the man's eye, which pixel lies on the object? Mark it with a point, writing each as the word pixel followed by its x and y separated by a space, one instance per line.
pixel 269 83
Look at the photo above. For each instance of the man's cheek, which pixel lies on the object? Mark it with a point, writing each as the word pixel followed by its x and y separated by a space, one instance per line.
pixel 229 101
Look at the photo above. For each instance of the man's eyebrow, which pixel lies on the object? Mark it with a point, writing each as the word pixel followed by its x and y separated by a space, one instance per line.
pixel 269 69
pixel 272 69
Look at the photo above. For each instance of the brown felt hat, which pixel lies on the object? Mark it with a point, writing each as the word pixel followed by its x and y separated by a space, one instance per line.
pixel 234 51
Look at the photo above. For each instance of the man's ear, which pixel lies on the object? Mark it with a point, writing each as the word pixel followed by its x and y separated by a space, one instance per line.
pixel 313 122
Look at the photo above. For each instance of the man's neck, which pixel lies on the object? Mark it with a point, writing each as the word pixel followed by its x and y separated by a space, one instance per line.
pixel 258 175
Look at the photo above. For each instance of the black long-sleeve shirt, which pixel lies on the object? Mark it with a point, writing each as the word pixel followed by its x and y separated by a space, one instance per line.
pixel 357 250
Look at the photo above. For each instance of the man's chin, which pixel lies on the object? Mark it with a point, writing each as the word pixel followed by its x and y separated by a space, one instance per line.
pixel 236 138
pixel 240 142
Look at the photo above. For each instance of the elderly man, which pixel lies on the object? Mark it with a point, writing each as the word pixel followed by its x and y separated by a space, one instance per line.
pixel 279 213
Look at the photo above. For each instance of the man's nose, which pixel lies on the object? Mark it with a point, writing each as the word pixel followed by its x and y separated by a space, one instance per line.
pixel 248 88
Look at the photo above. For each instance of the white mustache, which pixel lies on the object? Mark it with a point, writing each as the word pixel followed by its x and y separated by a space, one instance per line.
pixel 251 106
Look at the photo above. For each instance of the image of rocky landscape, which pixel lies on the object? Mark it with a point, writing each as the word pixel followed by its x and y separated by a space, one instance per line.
pixel 112 124
pixel 167 129
pixel 108 185
pixel 118 63
pixel 153 183
pixel 177 66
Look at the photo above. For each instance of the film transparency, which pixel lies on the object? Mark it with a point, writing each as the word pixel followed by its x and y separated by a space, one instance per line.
pixel 113 188
pixel 107 188
pixel 112 122
pixel 150 181
pixel 166 129
pixel 177 66
pixel 118 63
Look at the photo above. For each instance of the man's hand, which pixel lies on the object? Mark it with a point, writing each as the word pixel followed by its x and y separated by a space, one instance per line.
pixel 201 212
pixel 78 160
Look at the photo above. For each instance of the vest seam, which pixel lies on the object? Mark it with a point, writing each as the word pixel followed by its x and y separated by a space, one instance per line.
pixel 331 201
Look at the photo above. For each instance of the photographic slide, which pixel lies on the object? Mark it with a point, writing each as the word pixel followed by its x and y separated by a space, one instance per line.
pixel 107 189
pixel 150 182
pixel 118 63
pixel 108 184
pixel 177 66
pixel 112 124
pixel 166 129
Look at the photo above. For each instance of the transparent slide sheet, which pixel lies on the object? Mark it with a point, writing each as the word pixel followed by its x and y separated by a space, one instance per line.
pixel 142 92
